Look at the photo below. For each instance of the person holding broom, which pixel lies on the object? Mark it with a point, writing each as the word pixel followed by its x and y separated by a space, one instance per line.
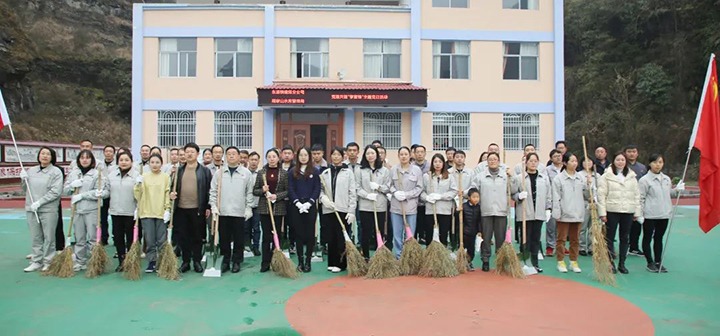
pixel 275 191
pixel 405 187
pixel 569 191
pixel 43 186
pixel 304 191
pixel 231 199
pixel 153 196
pixel 120 184
pixel 585 236
pixel 373 182
pixel 82 183
pixel 340 197
pixel 463 177
pixel 440 190
pixel 493 185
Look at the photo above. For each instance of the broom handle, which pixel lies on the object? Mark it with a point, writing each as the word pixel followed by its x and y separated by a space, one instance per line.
pixel 460 209
pixel 524 214
pixel 408 229
pixel 174 190
pixel 98 233
pixel 272 213
pixel 324 186
pixel 592 197
pixel 377 227
pixel 430 186
pixel 216 218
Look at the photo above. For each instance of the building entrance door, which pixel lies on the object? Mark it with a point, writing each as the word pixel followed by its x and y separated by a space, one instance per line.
pixel 306 127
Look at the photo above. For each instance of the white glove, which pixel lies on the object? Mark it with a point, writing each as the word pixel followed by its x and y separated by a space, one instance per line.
pixel 34 207
pixel 98 193
pixel 76 198
pixel 248 214
pixel 350 218
pixel 457 202
pixel 23 174
pixel 299 206
pixel 680 186
pixel 327 202
pixel 307 206
pixel 430 199
pixel 372 197
pixel 374 186
pixel 135 215
pixel 400 195
pixel 641 219
pixel 139 179
pixel 166 216
pixel 548 214
pixel 522 195
pixel 389 197
pixel 76 184
pixel 214 210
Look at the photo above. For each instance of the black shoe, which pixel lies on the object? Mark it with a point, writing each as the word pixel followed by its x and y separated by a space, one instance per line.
pixel 177 251
pixel 614 269
pixel 256 252
pixel 184 267
pixel 636 252
pixel 583 253
pixel 115 256
pixel 538 269
pixel 622 269
pixel 120 262
pixel 224 267
pixel 486 266
pixel 662 269
pixel 150 268
pixel 264 268
pixel 292 249
pixel 590 253
pixel 651 268
pixel 307 268
pixel 470 267
pixel 236 267
pixel 300 266
pixel 197 266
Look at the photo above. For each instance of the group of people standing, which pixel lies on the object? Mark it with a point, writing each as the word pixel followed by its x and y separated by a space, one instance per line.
pixel 296 187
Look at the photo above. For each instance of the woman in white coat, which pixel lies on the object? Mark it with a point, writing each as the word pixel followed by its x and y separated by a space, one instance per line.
pixel 440 190
pixel 618 206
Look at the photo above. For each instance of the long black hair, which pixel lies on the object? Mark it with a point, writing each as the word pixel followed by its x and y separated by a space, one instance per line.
pixel 365 164
pixel 625 170
pixel 308 170
pixel 443 170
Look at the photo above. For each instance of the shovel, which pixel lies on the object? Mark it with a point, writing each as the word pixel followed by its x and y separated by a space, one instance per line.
pixel 213 272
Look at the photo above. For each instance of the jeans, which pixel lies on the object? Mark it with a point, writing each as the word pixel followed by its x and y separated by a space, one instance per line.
pixel 399 230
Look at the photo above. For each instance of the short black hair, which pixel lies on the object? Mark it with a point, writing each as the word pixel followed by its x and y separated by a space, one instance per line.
pixel 560 142
pixel 654 157
pixel 88 153
pixel 493 144
pixel 376 142
pixel 317 147
pixel 553 152
pixel 174 149
pixel 86 140
pixel 229 148
pixel 352 144
pixel 205 150
pixel 451 149
pixel 193 146
pixel 625 149
pixel 412 148
pixel 109 146
pixel 287 147
pixel 254 154
pixel 242 151
pixel 420 146
pixel 154 148
pixel 143 146
pixel 339 150
pixel 528 145
pixel 459 152
pixel 119 154
pixel 473 191
pixel 216 145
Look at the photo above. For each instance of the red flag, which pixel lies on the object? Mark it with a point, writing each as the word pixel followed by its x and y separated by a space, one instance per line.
pixel 706 138
pixel 4 117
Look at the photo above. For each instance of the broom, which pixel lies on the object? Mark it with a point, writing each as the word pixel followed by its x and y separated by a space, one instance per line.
pixel 412 253
pixel 601 258
pixel 507 261
pixel 61 264
pixel 356 264
pixel 131 264
pixel 97 265
pixel 436 259
pixel 525 252
pixel 280 264
pixel 167 259
pixel 461 262
pixel 382 264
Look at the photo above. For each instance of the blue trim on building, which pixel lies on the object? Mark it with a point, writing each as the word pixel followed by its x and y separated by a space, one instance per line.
pixel 137 80
pixel 201 105
pixel 487 35
pixel 268 129
pixel 203 32
pixel 415 42
pixel 415 126
pixel 350 33
pixel 489 107
pixel 269 44
pixel 559 51
pixel 349 126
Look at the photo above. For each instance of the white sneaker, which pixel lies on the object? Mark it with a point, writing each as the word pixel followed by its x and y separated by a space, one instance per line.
pixel 541 256
pixel 330 268
pixel 45 267
pixel 78 267
pixel 561 267
pixel 33 267
pixel 575 267
pixel 142 255
pixel 29 256
pixel 336 270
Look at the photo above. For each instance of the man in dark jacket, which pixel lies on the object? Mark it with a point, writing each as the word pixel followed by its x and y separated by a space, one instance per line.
pixel 192 207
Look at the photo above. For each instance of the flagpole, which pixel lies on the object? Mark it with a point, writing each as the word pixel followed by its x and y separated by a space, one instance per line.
pixel 17 152
pixel 687 159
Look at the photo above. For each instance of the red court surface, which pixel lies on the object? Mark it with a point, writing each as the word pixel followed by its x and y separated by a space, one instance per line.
pixel 494 304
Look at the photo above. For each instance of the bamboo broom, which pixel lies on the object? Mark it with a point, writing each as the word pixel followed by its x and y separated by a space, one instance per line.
pixel 461 262
pixel 507 261
pixel 167 259
pixel 61 264
pixel 356 264
pixel 601 258
pixel 280 264
pixel 382 264
pixel 436 259
pixel 97 265
pixel 412 253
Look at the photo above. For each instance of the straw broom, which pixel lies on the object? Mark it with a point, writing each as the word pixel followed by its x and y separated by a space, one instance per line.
pixel 601 258
pixel 97 265
pixel 382 264
pixel 167 260
pixel 436 259
pixel 412 254
pixel 461 262
pixel 61 264
pixel 356 264
pixel 280 264
pixel 507 261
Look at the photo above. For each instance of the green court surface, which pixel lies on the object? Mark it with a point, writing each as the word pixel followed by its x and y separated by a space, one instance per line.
pixel 684 301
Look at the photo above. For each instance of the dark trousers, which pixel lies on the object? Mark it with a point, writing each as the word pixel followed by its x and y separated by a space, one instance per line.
pixel 122 233
pixel 387 230
pixel 323 228
pixel 534 231
pixel 59 232
pixel 191 229
pixel 624 221
pixel 455 231
pixel 367 220
pixel 304 232
pixel 424 227
pixel 635 231
pixel 267 246
pixel 336 240
pixel 444 223
pixel 288 228
pixel 493 228
pixel 231 229
pixel 469 244
pixel 104 225
pixel 654 229
pixel 252 229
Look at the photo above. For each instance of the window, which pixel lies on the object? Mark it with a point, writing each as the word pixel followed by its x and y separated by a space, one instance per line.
pixel 178 57
pixel 520 4
pixel 451 59
pixel 234 128
pixel 176 128
pixel 451 130
pixel 309 58
pixel 233 57
pixel 520 61
pixel 520 129
pixel 450 3
pixel 382 58
pixel 383 126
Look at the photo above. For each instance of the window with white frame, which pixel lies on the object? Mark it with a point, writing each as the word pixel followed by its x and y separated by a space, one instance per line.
pixel 382 58
pixel 451 130
pixel 451 59
pixel 233 128
pixel 309 58
pixel 176 128
pixel 520 129
pixel 520 4
pixel 383 126
pixel 178 57
pixel 450 3
pixel 233 57
pixel 520 60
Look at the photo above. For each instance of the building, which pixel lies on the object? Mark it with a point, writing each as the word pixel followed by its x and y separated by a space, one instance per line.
pixel 259 74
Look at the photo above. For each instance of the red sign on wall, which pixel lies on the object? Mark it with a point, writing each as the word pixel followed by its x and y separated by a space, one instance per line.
pixel 346 96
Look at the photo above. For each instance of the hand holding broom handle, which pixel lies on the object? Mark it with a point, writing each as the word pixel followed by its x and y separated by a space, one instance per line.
pixel 378 237
pixel 408 231
pixel 329 195
pixel 276 240
pixel 98 230
pixel 172 202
